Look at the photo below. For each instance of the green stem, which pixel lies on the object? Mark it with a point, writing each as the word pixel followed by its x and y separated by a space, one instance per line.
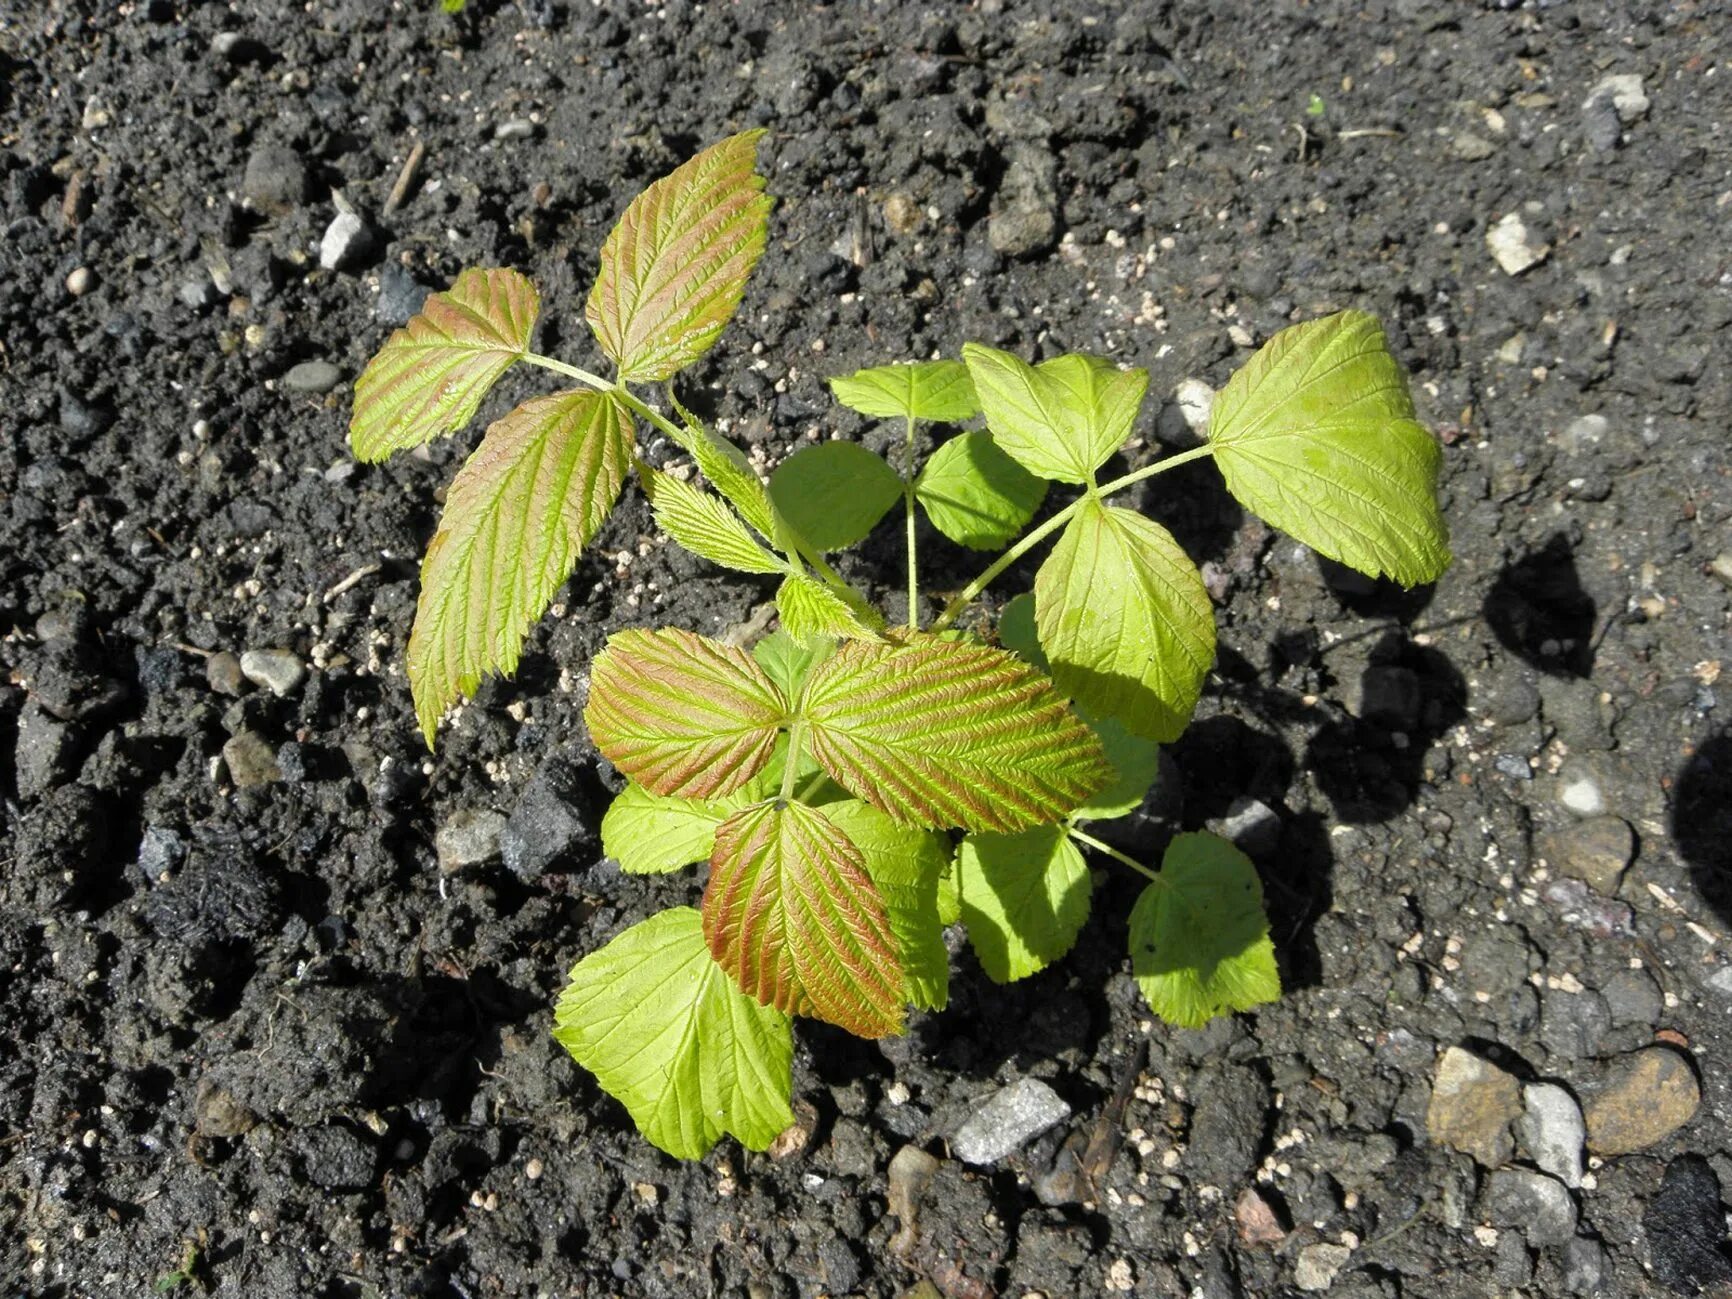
pixel 791 764
pixel 971 592
pixel 1106 849
pixel 908 505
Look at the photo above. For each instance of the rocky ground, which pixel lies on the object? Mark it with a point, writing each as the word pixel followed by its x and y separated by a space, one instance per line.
pixel 277 985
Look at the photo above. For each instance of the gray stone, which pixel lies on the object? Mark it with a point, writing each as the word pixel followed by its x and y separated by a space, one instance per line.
pixel 222 671
pixel 1251 825
pixel 1595 851
pixel 160 853
pixel 1471 148
pixel 1514 766
pixel 346 242
pixel 1552 1131
pixel 1024 220
pixel 1573 1024
pixel 1584 1266
pixel 1634 999
pixel 1227 1128
pixel 515 128
pixel 1540 1207
pixel 275 180
pixel 1625 94
pixel 278 670
pixel 1644 1098
pixel 251 762
pixel 469 838
pixel 548 824
pixel 1582 789
pixel 1319 1265
pixel 1008 1121
pixel 1585 433
pixel 198 292
pixel 1580 907
pixel 1473 1104
pixel 313 377
pixel 1195 401
pixel 1719 980
pixel 400 295
pixel 1512 247
pixel 237 48
pixel 1386 695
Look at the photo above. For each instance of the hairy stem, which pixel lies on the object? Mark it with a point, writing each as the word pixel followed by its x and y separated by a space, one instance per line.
pixel 791 764
pixel 1107 850
pixel 971 592
pixel 908 506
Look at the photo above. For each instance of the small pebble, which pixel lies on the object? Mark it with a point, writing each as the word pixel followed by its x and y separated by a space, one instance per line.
pixel 1595 851
pixel 1645 1097
pixel 1009 1120
pixel 313 377
pixel 515 128
pixel 1512 247
pixel 222 671
pixel 1319 1265
pixel 80 282
pixel 250 761
pixel 278 670
pixel 1551 1129
pixel 533 1170
pixel 469 838
pixel 346 242
pixel 1473 1104
pixel 1540 1207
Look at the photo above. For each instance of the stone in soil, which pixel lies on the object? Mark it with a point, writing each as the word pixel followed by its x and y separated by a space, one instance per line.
pixel 1512 247
pixel 278 670
pixel 312 377
pixel 1473 1104
pixel 251 761
pixel 1584 1266
pixel 275 181
pixel 550 823
pixel 1644 1098
pixel 42 755
pixel 1552 1132
pixel 1013 1117
pixel 469 838
pixel 1540 1207
pixel 222 672
pixel 1580 907
pixel 1025 216
pixel 1319 1265
pixel 1686 1229
pixel 1251 825
pixel 400 295
pixel 346 242
pixel 1386 695
pixel 1596 851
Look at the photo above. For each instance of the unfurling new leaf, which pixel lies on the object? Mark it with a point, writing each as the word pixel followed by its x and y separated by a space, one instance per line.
pixel 810 610
pixel 704 524
pixel 682 715
pixel 519 512
pixel 666 1032
pixel 431 375
pixel 1317 435
pixel 792 914
pixel 675 267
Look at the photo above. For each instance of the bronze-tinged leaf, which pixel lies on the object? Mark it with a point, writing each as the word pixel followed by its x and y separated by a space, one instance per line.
pixel 674 268
pixel 518 513
pixel 792 913
pixel 940 733
pixel 683 715
pixel 431 375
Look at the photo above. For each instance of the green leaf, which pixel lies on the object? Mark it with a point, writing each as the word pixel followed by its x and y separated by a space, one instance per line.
pixel 668 1035
pixel 793 915
pixel 834 493
pixel 516 517
pixel 1125 621
pixel 1135 763
pixel 431 375
pixel 810 610
pixel 949 899
pixel 727 468
pixel 1317 435
pixel 975 494
pixel 940 391
pixel 1024 899
pixel 1199 940
pixel 787 661
pixel 1061 419
pixel 1017 633
pixel 683 715
pixel 704 524
pixel 673 270
pixel 945 733
pixel 905 862
pixel 648 834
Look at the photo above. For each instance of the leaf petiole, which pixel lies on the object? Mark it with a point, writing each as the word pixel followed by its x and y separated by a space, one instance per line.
pixel 1106 849
pixel 908 505
pixel 971 592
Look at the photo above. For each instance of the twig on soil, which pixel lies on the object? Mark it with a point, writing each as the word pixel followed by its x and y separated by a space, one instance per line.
pixel 405 179
pixel 353 579
pixel 193 650
pixel 1360 132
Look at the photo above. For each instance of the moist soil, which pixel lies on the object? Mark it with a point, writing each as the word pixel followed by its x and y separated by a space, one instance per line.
pixel 259 1040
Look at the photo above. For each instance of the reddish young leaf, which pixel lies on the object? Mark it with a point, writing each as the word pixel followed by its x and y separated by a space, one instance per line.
pixel 674 268
pixel 945 733
pixel 682 715
pixel 431 375
pixel 793 915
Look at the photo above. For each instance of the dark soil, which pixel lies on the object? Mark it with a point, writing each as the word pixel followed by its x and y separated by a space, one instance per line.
pixel 262 1020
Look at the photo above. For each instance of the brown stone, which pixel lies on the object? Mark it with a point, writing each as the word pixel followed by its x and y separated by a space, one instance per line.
pixel 1595 851
pixel 1645 1097
pixel 1473 1104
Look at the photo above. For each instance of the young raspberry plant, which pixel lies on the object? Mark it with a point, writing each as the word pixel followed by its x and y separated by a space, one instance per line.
pixel 853 787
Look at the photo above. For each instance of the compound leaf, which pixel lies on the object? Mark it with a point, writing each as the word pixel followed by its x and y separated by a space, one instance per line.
pixel 810 610
pixel 516 516
pixel 787 661
pixel 975 494
pixel 1061 419
pixel 683 715
pixel 727 468
pixel 940 391
pixel 1135 762
pixel 1024 898
pixel 668 1035
pixel 1317 434
pixel 834 493
pixel 905 862
pixel 939 733
pixel 674 268
pixel 1125 621
pixel 704 524
pixel 1199 940
pixel 431 375
pixel 792 914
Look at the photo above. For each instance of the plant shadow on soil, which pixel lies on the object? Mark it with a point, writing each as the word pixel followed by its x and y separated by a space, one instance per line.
pixel 1540 613
pixel 1702 820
